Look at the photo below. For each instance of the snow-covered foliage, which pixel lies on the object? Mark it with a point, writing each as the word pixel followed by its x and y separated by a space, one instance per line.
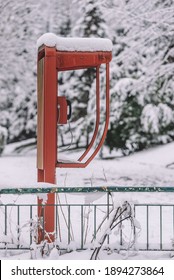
pixel 141 74
pixel 154 117
pixel 3 138
pixel 141 70
pixel 77 85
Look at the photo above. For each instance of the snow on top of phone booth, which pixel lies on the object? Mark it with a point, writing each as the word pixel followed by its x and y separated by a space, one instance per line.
pixel 75 44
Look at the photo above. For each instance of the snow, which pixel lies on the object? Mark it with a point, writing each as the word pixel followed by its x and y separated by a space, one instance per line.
pixel 5 239
pixel 151 167
pixel 153 117
pixel 142 67
pixel 3 131
pixel 86 254
pixel 75 44
pixel 148 168
pixel 64 159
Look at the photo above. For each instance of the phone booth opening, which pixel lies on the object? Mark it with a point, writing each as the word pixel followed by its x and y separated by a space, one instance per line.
pixel 56 54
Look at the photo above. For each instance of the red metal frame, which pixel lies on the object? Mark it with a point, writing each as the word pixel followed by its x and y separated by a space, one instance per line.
pixel 50 62
pixel 80 164
pixel 47 144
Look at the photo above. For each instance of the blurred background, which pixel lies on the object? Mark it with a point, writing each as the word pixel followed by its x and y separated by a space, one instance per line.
pixel 142 68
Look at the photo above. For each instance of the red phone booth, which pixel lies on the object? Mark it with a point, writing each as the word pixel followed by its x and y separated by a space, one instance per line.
pixel 57 54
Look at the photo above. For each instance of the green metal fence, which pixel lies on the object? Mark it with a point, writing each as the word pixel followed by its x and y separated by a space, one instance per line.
pixel 76 223
pixel 106 189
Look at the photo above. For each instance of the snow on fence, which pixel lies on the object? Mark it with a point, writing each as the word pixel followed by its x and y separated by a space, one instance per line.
pixel 79 223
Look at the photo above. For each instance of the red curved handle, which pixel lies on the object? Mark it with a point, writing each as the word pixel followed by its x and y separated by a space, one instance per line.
pixel 97 115
pixel 80 164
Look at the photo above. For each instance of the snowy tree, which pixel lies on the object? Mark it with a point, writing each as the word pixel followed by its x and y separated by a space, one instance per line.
pixel 142 100
pixel 22 23
pixel 19 32
pixel 3 138
pixel 60 19
pixel 77 85
pixel 141 74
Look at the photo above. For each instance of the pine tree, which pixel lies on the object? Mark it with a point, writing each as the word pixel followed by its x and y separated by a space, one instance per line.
pixel 90 24
pixel 141 75
pixel 60 17
pixel 19 32
pixel 22 23
pixel 142 82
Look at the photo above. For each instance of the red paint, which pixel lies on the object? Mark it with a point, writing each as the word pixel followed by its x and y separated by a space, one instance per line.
pixel 47 165
pixel 53 110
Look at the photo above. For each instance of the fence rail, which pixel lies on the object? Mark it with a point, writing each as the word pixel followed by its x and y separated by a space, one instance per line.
pixel 57 189
pixel 19 233
pixel 76 224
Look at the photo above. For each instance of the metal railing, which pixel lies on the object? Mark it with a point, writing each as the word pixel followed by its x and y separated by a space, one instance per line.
pixel 157 224
pixel 76 224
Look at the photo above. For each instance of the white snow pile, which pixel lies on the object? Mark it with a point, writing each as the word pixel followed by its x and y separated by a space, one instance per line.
pixel 75 44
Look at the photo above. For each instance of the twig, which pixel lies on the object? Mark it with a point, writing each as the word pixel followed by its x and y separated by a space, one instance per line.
pixel 112 224
pixel 87 224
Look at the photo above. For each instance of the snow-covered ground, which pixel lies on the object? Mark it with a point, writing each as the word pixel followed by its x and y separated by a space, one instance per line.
pixel 148 168
pixel 153 167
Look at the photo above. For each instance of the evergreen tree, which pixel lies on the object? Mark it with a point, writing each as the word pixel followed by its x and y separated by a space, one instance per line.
pixel 60 17
pixel 90 24
pixel 141 75
pixel 3 138
pixel 19 32
pixel 142 100
pixel 22 23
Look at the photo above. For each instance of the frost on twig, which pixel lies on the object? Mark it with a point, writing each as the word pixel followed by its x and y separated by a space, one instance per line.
pixel 117 216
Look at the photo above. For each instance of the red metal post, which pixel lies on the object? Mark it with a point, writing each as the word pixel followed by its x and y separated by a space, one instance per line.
pixel 47 139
